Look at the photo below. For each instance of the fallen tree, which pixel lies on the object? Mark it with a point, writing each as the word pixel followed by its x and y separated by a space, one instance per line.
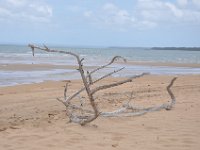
pixel 87 115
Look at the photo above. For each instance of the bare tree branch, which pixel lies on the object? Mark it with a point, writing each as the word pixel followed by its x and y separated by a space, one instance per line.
pixel 65 92
pixel 86 116
pixel 173 101
pixel 90 96
pixel 136 111
pixel 89 78
pixel 104 66
pixel 117 83
pixel 101 78
pixel 33 47
pixel 107 75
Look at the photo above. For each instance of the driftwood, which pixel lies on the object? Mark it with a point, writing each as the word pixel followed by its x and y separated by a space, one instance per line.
pixel 90 115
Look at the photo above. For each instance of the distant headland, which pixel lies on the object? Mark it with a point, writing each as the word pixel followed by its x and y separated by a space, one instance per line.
pixel 160 48
pixel 177 48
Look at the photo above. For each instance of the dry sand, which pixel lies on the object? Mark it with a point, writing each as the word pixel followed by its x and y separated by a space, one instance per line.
pixel 32 119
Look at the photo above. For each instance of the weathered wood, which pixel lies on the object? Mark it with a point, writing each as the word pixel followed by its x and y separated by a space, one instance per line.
pixel 89 116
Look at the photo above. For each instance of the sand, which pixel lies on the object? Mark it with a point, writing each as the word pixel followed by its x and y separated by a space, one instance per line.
pixel 32 67
pixel 32 119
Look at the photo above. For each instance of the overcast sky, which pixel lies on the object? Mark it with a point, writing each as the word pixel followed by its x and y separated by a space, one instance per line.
pixel 101 22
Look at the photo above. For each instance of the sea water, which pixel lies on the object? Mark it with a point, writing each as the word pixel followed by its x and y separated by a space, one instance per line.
pixel 93 56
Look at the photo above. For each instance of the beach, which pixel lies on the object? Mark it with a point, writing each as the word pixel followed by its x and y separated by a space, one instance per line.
pixel 100 75
pixel 32 118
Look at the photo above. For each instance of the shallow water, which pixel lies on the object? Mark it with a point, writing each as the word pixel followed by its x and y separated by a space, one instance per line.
pixel 11 54
pixel 23 54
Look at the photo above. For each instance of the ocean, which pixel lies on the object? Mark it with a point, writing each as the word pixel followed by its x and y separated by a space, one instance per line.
pixel 93 56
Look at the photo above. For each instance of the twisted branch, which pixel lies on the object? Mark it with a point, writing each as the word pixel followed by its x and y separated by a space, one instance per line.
pixel 84 79
pixel 103 87
pixel 88 115
pixel 101 78
pixel 137 111
pixel 106 65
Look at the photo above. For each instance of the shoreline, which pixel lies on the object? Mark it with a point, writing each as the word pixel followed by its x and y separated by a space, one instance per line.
pixel 14 74
pixel 164 64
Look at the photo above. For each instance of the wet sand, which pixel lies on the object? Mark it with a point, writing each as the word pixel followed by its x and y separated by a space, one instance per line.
pixel 32 67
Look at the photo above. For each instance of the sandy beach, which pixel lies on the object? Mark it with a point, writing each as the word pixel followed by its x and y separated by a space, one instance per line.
pixel 31 117
pixel 63 65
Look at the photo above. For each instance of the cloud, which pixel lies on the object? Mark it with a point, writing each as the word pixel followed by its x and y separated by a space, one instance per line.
pixel 196 2
pixel 176 11
pixel 115 15
pixel 16 3
pixel 146 14
pixel 158 11
pixel 110 15
pixel 182 2
pixel 24 10
pixel 73 8
pixel 88 14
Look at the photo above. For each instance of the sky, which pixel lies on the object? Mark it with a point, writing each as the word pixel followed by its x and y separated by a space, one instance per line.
pixel 129 23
